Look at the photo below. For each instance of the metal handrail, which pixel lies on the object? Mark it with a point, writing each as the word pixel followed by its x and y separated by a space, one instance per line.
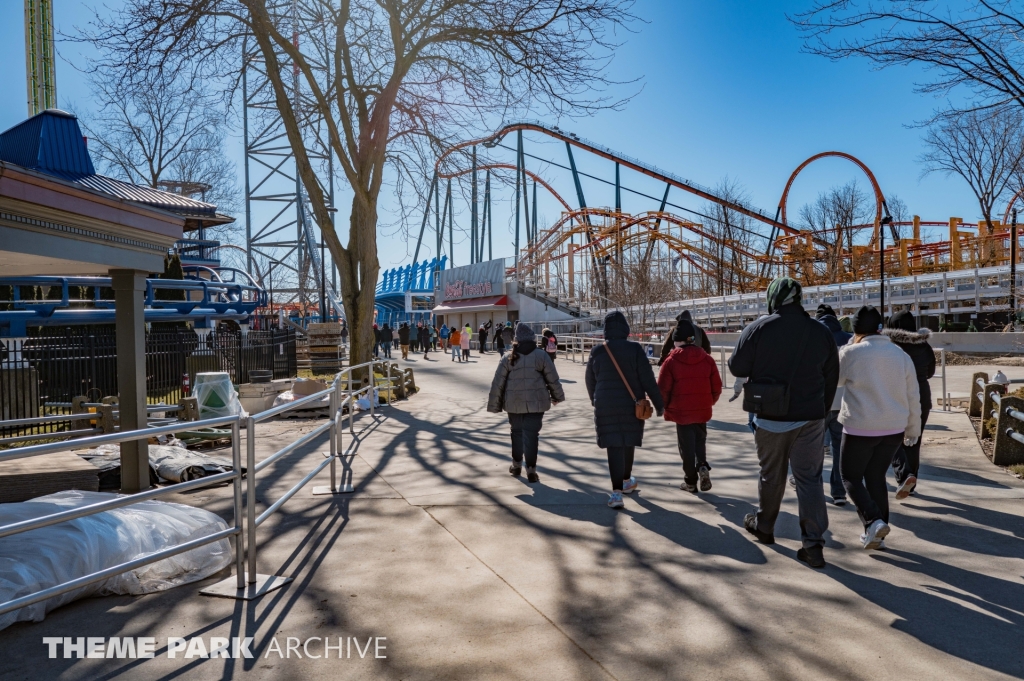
pixel 128 500
pixel 338 402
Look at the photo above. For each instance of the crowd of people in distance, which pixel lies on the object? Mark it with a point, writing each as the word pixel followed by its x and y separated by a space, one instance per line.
pixel 857 387
pixel 426 337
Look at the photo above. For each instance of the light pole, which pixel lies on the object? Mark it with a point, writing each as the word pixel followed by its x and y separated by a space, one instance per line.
pixel 1013 270
pixel 881 258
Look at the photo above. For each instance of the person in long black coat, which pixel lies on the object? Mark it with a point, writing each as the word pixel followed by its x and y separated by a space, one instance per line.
pixel 618 429
pixel 903 332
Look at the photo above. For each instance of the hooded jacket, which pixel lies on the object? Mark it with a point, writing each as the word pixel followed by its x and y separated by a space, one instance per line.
pixel 881 387
pixel 690 385
pixel 614 410
pixel 526 387
pixel 403 334
pixel 769 350
pixel 917 347
pixel 386 334
pixel 840 336
pixel 507 334
pixel 700 339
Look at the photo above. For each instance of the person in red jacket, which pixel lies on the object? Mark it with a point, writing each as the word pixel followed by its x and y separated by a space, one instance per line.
pixel 690 386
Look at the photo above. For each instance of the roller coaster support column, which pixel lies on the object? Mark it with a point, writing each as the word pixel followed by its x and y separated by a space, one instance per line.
pixel 473 231
pixel 130 313
pixel 488 221
pixel 766 270
pixel 437 214
pixel 423 226
pixel 533 218
pixel 519 171
pixel 451 223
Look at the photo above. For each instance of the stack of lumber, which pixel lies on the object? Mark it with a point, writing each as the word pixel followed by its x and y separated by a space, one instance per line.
pixel 325 351
pixel 35 476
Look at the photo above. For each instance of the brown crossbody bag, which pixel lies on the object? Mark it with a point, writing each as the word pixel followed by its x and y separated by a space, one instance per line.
pixel 644 408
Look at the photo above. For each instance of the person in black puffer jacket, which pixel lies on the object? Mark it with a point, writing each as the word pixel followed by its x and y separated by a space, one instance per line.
pixel 788 347
pixel 903 332
pixel 525 385
pixel 618 429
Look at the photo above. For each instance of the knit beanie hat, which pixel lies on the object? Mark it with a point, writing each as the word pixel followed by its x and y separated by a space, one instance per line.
pixel 867 320
pixel 783 291
pixel 684 332
pixel 524 333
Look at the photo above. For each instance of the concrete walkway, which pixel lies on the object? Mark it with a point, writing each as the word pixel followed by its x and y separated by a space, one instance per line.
pixel 472 574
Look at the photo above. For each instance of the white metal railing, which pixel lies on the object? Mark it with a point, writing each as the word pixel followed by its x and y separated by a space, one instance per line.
pixel 235 476
pixel 983 289
pixel 339 398
pixel 1012 433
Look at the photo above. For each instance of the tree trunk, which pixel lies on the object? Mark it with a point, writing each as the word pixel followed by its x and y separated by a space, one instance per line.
pixel 359 279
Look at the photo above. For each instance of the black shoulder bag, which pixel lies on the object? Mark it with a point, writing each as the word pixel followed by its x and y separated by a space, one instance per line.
pixel 769 399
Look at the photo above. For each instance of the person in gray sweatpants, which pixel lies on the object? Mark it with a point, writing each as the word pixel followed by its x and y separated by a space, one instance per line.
pixel 788 348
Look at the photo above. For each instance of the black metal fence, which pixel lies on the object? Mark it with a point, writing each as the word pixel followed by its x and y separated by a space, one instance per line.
pixel 42 375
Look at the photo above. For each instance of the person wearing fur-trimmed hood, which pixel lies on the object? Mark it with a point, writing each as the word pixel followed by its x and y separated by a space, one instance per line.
pixel 903 332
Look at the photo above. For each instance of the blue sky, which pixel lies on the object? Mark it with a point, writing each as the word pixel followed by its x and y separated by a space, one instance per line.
pixel 726 92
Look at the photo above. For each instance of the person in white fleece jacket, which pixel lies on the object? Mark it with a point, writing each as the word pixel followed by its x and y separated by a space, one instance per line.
pixel 881 409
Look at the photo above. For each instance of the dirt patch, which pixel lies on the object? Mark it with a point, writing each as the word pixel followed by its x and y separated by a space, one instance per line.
pixel 957 359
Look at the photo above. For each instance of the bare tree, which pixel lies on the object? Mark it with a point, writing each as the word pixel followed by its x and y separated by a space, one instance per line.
pixel 162 130
pixel 732 235
pixel 386 83
pixel 832 218
pixel 985 148
pixel 975 44
pixel 642 291
pixel 900 213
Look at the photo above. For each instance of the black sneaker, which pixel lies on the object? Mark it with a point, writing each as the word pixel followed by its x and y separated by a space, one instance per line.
pixel 813 556
pixel 531 474
pixel 705 479
pixel 750 522
pixel 515 470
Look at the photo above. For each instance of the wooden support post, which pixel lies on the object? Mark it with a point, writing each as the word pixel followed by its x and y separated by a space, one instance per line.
pixel 130 306
pixel 988 405
pixel 975 407
pixel 955 256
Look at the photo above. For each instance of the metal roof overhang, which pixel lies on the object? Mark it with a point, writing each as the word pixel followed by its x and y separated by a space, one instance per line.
pixel 472 305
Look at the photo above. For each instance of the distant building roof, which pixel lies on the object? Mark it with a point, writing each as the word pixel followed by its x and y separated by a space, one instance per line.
pixel 51 142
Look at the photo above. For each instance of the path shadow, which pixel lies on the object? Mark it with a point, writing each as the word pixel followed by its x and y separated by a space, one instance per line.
pixel 989 638
pixel 957 536
pixel 728 427
pixel 954 474
pixel 692 534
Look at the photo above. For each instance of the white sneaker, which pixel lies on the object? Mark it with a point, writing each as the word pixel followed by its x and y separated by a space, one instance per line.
pixel 629 485
pixel 876 532
pixel 615 500
pixel 907 487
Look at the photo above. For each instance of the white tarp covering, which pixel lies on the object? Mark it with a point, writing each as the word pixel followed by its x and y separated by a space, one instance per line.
pixel 42 558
